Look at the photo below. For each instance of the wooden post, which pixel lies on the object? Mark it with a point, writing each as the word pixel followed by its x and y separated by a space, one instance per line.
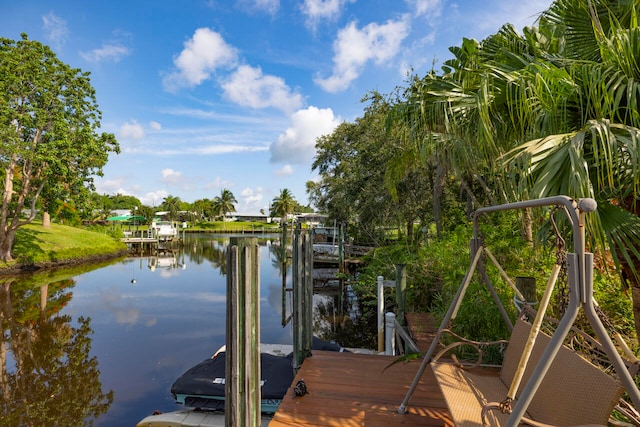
pixel 308 292
pixel 401 292
pixel 302 297
pixel 242 385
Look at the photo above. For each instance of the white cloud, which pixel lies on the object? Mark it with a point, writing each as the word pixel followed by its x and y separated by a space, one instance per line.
pixel 250 200
pixel 431 8
pixel 248 87
pixel 56 29
pixel 202 55
pixel 170 176
pixel 317 10
pixel 353 48
pixel 111 186
pixel 269 6
pixel 249 195
pixel 223 149
pixel 112 52
pixel 155 125
pixel 154 198
pixel 132 130
pixel 286 170
pixel 297 143
pixel 217 183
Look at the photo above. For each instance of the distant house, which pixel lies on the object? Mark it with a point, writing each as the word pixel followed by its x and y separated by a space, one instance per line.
pixel 235 216
pixel 311 219
pixel 120 212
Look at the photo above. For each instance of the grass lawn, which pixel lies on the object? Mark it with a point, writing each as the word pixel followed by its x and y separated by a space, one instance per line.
pixel 37 245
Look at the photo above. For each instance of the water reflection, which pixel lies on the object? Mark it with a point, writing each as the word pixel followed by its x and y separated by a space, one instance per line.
pixel 48 376
pixel 101 344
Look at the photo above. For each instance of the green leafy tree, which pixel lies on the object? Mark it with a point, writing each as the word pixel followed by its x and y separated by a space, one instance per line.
pixel 224 203
pixel 99 207
pixel 120 201
pixel 355 164
pixel 147 212
pixel 552 111
pixel 283 204
pixel 173 205
pixel 48 133
pixel 203 208
pixel 51 373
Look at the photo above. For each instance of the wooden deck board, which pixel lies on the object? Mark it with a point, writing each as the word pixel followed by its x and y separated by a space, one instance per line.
pixel 348 389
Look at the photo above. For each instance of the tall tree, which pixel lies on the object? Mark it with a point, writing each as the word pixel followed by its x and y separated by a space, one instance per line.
pixel 283 204
pixel 171 204
pixel 49 142
pixel 585 125
pixel 558 108
pixel 358 185
pixel 224 203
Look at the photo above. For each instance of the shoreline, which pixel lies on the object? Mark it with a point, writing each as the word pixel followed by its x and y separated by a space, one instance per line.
pixel 52 265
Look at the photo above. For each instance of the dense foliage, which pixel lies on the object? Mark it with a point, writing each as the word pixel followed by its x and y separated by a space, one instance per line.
pixel 513 117
pixel 50 147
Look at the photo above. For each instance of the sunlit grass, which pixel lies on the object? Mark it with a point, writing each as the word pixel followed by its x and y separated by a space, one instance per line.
pixel 35 244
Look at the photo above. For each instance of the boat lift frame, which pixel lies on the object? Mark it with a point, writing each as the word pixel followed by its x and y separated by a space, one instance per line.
pixel 580 277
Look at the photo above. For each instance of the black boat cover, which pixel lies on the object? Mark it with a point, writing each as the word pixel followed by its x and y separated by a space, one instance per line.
pixel 203 386
pixel 207 378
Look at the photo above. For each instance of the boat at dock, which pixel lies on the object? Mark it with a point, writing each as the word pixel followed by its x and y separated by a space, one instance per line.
pixel 203 386
pixel 190 417
pixel 164 231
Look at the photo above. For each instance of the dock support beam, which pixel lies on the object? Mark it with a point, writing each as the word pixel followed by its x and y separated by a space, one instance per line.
pixel 302 297
pixel 242 370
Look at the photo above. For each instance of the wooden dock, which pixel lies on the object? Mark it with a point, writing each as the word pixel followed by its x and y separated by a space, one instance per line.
pixel 351 389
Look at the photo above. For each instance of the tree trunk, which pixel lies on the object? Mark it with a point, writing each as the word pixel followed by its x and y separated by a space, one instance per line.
pixel 527 226
pixel 410 231
pixel 5 251
pixel 6 244
pixel 46 219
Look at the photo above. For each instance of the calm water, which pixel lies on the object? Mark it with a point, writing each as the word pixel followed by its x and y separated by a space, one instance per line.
pixel 131 327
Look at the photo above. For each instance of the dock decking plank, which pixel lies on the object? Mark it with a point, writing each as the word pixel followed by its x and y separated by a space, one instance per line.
pixel 349 389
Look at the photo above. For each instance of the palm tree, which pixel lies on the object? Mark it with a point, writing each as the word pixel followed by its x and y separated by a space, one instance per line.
pixel 224 203
pixel 171 204
pixel 558 107
pixel 283 205
pixel 593 77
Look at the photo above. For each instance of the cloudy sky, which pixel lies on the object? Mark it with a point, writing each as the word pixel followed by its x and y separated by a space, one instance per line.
pixel 206 95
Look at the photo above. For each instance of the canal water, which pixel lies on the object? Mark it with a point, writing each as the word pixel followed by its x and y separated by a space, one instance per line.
pixel 103 344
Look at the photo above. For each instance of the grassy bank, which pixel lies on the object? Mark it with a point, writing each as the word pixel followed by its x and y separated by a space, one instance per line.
pixel 59 245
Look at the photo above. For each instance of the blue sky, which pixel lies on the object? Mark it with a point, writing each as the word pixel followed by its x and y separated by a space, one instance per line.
pixel 206 95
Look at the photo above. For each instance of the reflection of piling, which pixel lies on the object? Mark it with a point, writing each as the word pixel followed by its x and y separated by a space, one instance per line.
pixel 242 403
pixel 302 296
pixel 283 271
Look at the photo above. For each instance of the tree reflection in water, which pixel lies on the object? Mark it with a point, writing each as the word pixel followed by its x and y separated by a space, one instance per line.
pixel 339 318
pixel 47 375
